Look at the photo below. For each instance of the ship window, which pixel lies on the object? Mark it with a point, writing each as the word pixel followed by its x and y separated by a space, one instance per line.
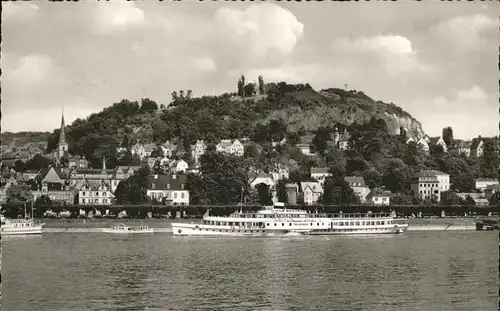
pixel 290 224
pixel 274 224
pixel 283 224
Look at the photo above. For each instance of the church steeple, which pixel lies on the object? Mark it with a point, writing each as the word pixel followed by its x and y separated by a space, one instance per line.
pixel 104 165
pixel 63 145
pixel 62 135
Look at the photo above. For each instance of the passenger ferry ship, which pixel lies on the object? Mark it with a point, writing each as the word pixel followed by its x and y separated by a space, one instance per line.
pixel 277 220
pixel 20 226
pixel 26 226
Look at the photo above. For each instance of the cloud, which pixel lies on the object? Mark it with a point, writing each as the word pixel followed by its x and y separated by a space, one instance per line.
pixel 203 64
pixel 260 33
pixel 470 112
pixel 391 54
pixel 29 70
pixel 467 31
pixel 117 16
pixel 20 11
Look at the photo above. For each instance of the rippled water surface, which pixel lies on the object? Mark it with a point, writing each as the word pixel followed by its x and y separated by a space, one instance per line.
pixel 416 271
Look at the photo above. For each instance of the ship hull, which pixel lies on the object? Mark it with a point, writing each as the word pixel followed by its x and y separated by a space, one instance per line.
pixel 17 231
pixel 183 229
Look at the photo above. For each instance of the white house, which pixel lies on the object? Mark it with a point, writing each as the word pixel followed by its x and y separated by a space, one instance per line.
pixel 234 147
pixel 280 172
pixel 310 192
pixel 320 173
pixel 168 149
pixel 477 147
pixel 483 183
pixel 90 194
pixel 305 149
pixel 359 187
pixel 198 149
pixel 168 189
pixel 439 141
pixel 379 197
pixel 430 184
pixel 138 149
pixel 422 143
pixel 179 166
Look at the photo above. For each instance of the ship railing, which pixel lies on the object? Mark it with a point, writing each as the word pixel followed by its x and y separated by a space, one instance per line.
pixel 313 215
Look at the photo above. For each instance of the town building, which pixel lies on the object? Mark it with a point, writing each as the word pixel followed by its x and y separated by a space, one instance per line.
pixel 305 149
pixel 78 162
pixel 168 148
pixel 477 148
pixel 439 141
pixel 428 184
pixel 461 147
pixel 197 150
pixel 92 194
pixel 483 183
pixel 423 145
pixel 168 189
pixel 320 174
pixel 261 178
pixel 359 187
pixel 292 191
pixel 179 166
pixel 53 183
pixel 280 172
pixel 233 147
pixel 310 192
pixel 138 150
pixel 379 197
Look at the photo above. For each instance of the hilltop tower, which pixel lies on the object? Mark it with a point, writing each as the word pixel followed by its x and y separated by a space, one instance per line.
pixel 63 145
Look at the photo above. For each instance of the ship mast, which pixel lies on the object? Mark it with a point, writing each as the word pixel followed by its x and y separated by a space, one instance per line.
pixel 241 201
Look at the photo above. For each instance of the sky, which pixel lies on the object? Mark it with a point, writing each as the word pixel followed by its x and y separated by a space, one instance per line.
pixel 438 61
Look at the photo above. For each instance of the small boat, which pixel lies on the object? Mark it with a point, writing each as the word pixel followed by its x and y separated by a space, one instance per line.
pixel 122 228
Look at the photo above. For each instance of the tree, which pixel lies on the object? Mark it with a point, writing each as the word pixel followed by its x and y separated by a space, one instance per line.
pixel 222 180
pixel 469 201
pixel 148 105
pixel 241 86
pixel 320 140
pixel 249 89
pixel 122 192
pixel 19 166
pixel 494 199
pixel 43 202
pixel 261 85
pixel 277 129
pixel 37 162
pixel 156 153
pixel 18 194
pixel 450 198
pixel 281 191
pixel 138 184
pixel 264 192
pixel 125 142
pixel 448 135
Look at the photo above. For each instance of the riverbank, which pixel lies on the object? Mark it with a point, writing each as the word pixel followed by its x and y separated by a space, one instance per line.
pixel 164 225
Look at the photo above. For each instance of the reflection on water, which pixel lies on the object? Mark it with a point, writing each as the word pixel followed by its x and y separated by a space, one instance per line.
pixel 415 271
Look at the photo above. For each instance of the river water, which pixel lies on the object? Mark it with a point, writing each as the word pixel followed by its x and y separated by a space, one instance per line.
pixel 94 271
